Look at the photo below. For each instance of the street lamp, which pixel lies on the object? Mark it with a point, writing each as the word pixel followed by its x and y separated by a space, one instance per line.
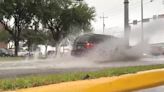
pixel 103 18
pixel 126 22
pixel 142 31
pixel 142 15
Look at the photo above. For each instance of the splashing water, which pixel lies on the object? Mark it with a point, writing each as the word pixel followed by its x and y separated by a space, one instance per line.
pixel 108 51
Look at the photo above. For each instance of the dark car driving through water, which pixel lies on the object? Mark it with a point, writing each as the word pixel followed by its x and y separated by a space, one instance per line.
pixel 85 43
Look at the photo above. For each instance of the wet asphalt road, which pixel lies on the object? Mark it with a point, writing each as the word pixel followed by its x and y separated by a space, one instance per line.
pixel 12 69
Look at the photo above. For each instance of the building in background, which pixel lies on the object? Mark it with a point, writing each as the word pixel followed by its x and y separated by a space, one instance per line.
pixel 2 44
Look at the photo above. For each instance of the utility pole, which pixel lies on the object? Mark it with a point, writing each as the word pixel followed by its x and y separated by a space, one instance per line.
pixel 126 22
pixel 142 18
pixel 142 31
pixel 103 18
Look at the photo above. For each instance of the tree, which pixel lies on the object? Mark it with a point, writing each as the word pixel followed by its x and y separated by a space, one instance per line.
pixel 15 16
pixel 34 38
pixel 60 16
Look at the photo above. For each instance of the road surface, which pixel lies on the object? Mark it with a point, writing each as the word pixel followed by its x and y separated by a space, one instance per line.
pixel 52 66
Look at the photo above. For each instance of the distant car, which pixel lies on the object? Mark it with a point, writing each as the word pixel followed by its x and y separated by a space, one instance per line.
pixel 156 51
pixel 23 53
pixel 10 52
pixel 85 43
pixel 5 52
pixel 65 48
pixel 2 52
pixel 50 52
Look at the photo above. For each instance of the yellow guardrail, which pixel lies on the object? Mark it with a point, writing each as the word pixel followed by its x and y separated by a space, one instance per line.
pixel 125 83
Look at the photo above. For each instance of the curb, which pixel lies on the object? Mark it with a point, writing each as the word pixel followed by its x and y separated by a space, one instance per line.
pixel 124 83
pixel 131 82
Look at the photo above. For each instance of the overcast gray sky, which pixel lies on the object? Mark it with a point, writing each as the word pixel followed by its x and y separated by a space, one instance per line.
pixel 113 9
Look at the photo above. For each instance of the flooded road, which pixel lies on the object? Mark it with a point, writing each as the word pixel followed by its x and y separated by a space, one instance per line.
pixel 66 63
pixel 51 66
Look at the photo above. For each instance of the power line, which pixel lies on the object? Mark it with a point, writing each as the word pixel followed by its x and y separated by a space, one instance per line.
pixel 103 18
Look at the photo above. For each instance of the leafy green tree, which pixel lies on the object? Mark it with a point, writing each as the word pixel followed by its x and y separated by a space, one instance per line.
pixel 58 16
pixel 61 16
pixel 15 16
pixel 34 38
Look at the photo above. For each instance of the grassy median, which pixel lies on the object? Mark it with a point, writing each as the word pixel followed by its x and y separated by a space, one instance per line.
pixel 33 81
pixel 3 59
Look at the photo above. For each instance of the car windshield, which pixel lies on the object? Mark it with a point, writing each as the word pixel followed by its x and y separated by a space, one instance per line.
pixel 82 39
pixel 99 38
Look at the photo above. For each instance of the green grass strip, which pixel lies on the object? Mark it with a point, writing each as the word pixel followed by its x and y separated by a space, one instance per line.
pixel 39 80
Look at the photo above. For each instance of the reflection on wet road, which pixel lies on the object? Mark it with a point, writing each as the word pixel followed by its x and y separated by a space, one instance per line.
pixel 76 63
pixel 14 69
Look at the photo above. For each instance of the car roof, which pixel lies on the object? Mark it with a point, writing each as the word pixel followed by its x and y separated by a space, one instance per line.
pixel 94 37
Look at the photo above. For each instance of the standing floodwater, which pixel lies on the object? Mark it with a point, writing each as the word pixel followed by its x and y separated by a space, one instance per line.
pixel 66 64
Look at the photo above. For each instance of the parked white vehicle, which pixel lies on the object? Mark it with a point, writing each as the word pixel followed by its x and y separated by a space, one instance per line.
pixel 65 49
pixel 23 53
